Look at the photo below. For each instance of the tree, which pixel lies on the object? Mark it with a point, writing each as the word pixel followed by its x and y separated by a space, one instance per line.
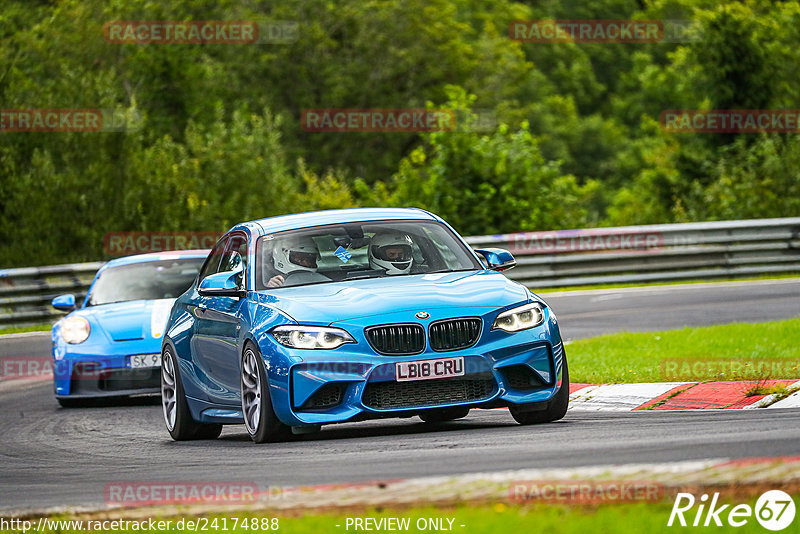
pixel 485 183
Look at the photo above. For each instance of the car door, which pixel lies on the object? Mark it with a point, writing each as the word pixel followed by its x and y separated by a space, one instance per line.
pixel 215 341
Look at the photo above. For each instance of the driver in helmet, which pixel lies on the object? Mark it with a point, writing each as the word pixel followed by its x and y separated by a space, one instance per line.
pixel 298 254
pixel 391 252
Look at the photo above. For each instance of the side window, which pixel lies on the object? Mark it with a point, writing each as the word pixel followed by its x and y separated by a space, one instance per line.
pixel 211 265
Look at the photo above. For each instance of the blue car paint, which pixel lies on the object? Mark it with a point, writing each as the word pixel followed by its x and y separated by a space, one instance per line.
pixel 208 334
pixel 118 330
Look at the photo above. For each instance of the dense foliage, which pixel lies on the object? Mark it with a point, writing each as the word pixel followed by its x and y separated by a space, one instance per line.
pixel 214 132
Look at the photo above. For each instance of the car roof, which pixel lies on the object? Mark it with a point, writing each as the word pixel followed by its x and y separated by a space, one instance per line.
pixel 157 256
pixel 321 218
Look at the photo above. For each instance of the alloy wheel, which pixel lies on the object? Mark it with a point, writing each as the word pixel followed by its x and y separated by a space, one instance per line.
pixel 251 391
pixel 168 390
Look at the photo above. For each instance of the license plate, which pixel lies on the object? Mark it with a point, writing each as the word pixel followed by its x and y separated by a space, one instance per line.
pixel 139 361
pixel 429 369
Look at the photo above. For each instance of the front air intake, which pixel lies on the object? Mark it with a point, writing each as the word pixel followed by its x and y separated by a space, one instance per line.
pixel 398 395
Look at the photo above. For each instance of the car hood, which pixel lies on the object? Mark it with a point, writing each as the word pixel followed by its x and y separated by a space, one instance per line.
pixel 341 301
pixel 132 320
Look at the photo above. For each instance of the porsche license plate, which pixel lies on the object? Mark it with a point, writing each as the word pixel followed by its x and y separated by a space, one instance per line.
pixel 141 361
pixel 429 369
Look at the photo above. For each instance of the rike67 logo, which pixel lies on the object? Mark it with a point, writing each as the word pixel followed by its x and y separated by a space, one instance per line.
pixel 774 510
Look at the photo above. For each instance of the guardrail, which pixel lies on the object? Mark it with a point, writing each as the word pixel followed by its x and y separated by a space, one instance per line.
pixel 652 253
pixel 25 293
pixel 630 254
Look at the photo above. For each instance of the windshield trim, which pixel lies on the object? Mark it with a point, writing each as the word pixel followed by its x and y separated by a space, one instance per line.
pixel 92 289
pixel 477 266
pixel 356 280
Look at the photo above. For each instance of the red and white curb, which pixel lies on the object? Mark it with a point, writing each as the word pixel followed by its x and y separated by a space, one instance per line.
pixel 681 396
pixel 792 401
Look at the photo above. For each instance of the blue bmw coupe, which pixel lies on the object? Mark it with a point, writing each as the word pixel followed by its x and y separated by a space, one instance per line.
pixel 110 346
pixel 303 320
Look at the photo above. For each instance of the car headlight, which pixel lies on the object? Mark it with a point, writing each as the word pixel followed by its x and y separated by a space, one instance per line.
pixel 311 337
pixel 520 318
pixel 75 330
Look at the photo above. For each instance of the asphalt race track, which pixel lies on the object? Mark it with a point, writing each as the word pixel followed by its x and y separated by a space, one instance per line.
pixel 54 457
pixel 592 313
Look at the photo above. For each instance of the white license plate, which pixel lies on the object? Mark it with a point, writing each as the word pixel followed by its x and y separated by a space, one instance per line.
pixel 429 369
pixel 139 361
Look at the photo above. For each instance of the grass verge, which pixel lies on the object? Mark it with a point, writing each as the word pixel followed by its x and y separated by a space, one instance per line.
pixel 760 351
pixel 545 290
pixel 557 519
pixel 24 329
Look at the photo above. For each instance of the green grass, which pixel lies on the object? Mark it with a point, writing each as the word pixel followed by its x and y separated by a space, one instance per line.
pixel 617 519
pixel 545 290
pixel 759 351
pixel 764 389
pixel 489 519
pixel 22 329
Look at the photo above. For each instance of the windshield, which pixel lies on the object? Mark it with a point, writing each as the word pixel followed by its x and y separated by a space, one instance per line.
pixel 144 281
pixel 355 251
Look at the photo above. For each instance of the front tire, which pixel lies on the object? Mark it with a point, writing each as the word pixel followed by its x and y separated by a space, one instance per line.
pixel 260 420
pixel 556 408
pixel 174 407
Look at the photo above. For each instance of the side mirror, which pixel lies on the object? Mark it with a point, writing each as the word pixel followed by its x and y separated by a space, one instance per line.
pixel 224 284
pixel 64 302
pixel 497 259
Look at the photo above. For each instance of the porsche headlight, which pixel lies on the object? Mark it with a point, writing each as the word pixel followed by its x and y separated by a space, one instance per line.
pixel 75 330
pixel 311 337
pixel 520 318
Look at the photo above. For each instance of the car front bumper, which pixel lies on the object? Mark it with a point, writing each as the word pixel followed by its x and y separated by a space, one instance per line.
pixel 329 390
pixel 354 382
pixel 91 375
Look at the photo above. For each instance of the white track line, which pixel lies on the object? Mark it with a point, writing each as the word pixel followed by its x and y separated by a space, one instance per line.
pixel 792 401
pixel 619 397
